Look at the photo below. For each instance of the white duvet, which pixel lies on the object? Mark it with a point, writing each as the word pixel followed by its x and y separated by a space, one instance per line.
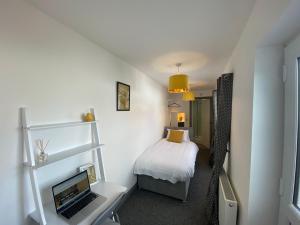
pixel 168 161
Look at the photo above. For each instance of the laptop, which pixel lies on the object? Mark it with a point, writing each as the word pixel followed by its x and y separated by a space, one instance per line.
pixel 74 200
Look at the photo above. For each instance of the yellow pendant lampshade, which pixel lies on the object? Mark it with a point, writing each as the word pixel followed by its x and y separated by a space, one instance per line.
pixel 188 96
pixel 178 83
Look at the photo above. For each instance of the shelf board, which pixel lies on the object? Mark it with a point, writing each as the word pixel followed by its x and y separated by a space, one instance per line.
pixel 96 182
pixel 58 125
pixel 35 216
pixel 66 154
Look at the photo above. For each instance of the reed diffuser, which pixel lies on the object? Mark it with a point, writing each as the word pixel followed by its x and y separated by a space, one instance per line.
pixel 42 145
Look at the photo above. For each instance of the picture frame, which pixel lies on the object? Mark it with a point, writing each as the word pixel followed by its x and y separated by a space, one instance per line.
pixel 90 168
pixel 123 97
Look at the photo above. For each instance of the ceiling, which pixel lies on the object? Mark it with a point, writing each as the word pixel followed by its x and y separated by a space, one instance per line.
pixel 154 35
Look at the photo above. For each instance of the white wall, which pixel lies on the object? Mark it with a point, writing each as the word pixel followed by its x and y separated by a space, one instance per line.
pixel 267 136
pixel 59 74
pixel 265 14
pixel 204 93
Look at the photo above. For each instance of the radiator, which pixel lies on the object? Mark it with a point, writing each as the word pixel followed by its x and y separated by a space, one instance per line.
pixel 227 202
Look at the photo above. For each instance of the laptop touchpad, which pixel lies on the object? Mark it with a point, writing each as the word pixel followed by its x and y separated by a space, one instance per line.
pixel 94 205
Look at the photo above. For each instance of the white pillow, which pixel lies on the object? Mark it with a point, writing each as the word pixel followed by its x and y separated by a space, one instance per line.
pixel 186 137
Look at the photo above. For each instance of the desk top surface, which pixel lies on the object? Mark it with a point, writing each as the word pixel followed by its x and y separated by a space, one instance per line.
pixel 109 190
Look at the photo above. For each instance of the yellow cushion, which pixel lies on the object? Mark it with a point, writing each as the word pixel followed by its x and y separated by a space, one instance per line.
pixel 175 136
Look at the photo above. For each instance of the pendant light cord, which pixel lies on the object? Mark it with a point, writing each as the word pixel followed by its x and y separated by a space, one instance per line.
pixel 178 65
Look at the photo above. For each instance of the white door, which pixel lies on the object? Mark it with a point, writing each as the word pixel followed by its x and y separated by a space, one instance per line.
pixel 290 197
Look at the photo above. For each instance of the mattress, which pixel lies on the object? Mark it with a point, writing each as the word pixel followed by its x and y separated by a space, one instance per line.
pixel 168 161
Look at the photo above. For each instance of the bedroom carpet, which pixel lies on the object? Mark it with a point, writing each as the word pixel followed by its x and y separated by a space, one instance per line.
pixel 147 208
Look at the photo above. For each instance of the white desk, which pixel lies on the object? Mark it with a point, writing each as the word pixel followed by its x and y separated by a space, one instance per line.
pixel 109 190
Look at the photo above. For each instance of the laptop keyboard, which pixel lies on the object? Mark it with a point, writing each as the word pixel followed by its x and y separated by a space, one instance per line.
pixel 68 213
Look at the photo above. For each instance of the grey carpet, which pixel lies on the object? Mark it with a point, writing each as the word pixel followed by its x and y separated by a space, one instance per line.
pixel 147 208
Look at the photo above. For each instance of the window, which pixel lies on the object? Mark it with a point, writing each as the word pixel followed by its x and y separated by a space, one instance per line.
pixel 296 199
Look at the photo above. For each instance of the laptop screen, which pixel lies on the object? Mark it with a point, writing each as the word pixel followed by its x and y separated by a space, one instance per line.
pixel 70 190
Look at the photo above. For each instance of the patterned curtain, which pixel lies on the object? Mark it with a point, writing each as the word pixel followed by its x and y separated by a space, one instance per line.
pixel 215 119
pixel 221 140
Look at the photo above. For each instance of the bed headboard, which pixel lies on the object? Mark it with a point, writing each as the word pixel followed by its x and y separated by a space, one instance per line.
pixel 175 128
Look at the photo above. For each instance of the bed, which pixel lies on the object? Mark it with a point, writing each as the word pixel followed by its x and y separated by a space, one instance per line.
pixel 167 167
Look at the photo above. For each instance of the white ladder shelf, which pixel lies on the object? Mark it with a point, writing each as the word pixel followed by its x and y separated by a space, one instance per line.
pixel 34 165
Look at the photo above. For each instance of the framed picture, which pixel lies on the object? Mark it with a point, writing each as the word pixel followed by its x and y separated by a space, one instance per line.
pixel 123 97
pixel 90 168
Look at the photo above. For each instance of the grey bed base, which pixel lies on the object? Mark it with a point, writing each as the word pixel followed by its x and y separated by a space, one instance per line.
pixel 178 190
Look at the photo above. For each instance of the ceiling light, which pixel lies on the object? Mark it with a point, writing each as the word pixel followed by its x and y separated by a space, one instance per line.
pixel 188 96
pixel 178 83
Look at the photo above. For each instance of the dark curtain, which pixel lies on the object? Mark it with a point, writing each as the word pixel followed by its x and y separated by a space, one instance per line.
pixel 214 127
pixel 221 140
